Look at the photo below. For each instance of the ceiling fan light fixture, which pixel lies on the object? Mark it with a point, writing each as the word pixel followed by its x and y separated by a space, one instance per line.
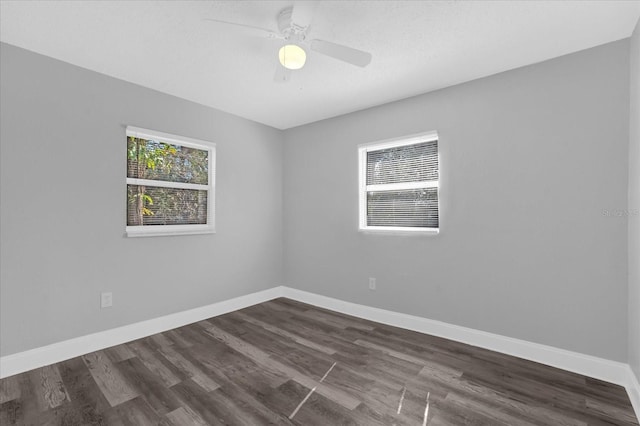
pixel 292 56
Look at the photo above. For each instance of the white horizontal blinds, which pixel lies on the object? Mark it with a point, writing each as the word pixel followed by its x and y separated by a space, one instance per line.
pixel 165 206
pixel 409 163
pixel 167 183
pixel 414 208
pixel 402 186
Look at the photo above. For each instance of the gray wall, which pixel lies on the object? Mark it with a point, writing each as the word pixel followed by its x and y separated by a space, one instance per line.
pixel 531 159
pixel 63 206
pixel 634 205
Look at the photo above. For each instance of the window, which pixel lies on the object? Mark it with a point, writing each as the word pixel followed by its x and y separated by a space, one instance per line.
pixel 170 184
pixel 399 183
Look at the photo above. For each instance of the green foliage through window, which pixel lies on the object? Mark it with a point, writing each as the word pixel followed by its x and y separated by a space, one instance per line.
pixel 171 203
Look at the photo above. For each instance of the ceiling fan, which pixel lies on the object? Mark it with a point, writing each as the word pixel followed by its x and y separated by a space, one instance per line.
pixel 293 24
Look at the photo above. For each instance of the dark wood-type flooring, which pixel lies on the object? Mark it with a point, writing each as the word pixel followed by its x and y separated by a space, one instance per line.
pixel 284 362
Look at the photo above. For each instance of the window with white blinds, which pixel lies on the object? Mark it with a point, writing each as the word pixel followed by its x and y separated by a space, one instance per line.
pixel 399 184
pixel 170 184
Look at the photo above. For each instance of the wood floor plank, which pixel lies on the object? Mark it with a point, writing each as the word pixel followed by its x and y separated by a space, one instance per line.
pixel 111 382
pixel 193 335
pixel 138 412
pixel 149 385
pixel 199 401
pixel 442 372
pixel 383 404
pixel 450 414
pixel 258 336
pixel 304 326
pixel 283 333
pixel 177 339
pixel 333 321
pixel 244 409
pixel 119 353
pixel 49 388
pixel 182 416
pixel 280 359
pixel 238 369
pixel 11 412
pixel 161 340
pixel 391 371
pixel 154 364
pixel 478 408
pixel 9 389
pixel 286 305
pixel 90 407
pixel 611 412
pixel 391 352
pixel 196 374
pixel 529 391
pixel 263 359
pixel 275 417
pixel 319 410
pixel 514 405
pixel 31 407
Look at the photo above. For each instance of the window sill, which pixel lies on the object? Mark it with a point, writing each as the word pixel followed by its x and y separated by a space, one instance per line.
pixel 399 231
pixel 167 230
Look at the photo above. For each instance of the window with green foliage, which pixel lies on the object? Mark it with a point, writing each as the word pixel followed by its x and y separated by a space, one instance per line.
pixel 399 184
pixel 170 184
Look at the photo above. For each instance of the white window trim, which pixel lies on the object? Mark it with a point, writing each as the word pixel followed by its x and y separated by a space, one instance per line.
pixel 363 188
pixel 164 230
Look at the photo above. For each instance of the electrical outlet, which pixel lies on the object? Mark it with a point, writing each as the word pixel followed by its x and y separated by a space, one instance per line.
pixel 106 300
pixel 372 283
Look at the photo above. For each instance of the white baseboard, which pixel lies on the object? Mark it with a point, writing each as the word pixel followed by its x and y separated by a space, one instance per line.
pixel 56 352
pixel 598 368
pixel 633 389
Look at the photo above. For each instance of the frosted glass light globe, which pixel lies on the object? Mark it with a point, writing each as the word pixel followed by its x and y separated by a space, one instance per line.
pixel 292 56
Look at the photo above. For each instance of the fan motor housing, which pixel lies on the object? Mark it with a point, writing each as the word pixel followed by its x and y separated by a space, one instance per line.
pixel 287 27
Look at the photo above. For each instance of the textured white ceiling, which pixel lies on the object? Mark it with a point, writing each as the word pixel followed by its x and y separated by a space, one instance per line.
pixel 417 46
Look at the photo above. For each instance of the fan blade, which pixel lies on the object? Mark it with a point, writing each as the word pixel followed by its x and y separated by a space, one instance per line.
pixel 343 53
pixel 248 29
pixel 303 12
pixel 282 74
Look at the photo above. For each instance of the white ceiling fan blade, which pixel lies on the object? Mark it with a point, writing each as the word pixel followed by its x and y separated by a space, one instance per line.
pixel 303 12
pixel 247 29
pixel 283 74
pixel 343 53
